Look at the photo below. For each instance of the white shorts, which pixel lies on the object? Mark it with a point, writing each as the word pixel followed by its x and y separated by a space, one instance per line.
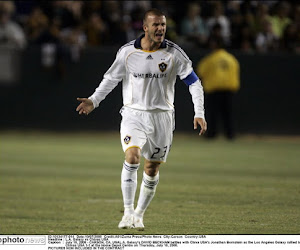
pixel 151 131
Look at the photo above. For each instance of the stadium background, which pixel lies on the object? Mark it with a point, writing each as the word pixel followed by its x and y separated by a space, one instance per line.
pixel 66 48
pixel 49 69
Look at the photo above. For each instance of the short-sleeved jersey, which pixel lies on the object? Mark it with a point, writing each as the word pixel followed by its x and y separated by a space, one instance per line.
pixel 148 77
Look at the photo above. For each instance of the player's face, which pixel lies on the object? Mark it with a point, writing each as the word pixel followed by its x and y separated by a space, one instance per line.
pixel 155 28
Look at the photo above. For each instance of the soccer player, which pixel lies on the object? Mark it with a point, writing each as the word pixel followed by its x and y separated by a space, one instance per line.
pixel 147 67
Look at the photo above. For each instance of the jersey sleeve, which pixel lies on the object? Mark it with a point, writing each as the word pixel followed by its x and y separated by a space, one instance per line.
pixel 196 91
pixel 189 77
pixel 184 64
pixel 111 78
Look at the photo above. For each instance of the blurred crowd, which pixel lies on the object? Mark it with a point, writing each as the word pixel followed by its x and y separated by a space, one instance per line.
pixel 249 26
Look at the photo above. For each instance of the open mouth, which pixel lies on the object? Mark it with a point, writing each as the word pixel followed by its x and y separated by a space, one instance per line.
pixel 159 35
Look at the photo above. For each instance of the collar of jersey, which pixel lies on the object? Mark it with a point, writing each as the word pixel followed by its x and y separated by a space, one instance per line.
pixel 137 44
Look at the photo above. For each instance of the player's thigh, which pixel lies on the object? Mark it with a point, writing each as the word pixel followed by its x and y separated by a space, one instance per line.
pixel 132 132
pixel 159 143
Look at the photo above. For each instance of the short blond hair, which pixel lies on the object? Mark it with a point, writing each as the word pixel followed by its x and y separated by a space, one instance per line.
pixel 154 12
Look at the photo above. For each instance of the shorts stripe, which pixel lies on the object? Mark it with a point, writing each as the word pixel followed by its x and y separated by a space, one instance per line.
pixel 132 147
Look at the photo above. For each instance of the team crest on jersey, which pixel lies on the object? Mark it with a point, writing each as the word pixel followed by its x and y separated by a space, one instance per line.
pixel 127 139
pixel 162 66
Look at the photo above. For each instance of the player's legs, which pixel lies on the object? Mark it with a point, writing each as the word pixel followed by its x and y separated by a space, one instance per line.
pixel 155 151
pixel 129 184
pixel 132 138
pixel 129 178
pixel 150 135
pixel 147 191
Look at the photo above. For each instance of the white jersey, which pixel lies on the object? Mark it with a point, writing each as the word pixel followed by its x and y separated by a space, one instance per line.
pixel 148 77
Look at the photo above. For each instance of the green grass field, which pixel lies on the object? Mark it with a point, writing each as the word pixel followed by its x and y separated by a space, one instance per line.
pixel 56 183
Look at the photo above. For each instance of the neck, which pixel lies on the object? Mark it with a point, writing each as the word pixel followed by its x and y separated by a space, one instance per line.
pixel 149 45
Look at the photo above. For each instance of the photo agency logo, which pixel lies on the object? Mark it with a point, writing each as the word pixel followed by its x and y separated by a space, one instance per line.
pixel 22 240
